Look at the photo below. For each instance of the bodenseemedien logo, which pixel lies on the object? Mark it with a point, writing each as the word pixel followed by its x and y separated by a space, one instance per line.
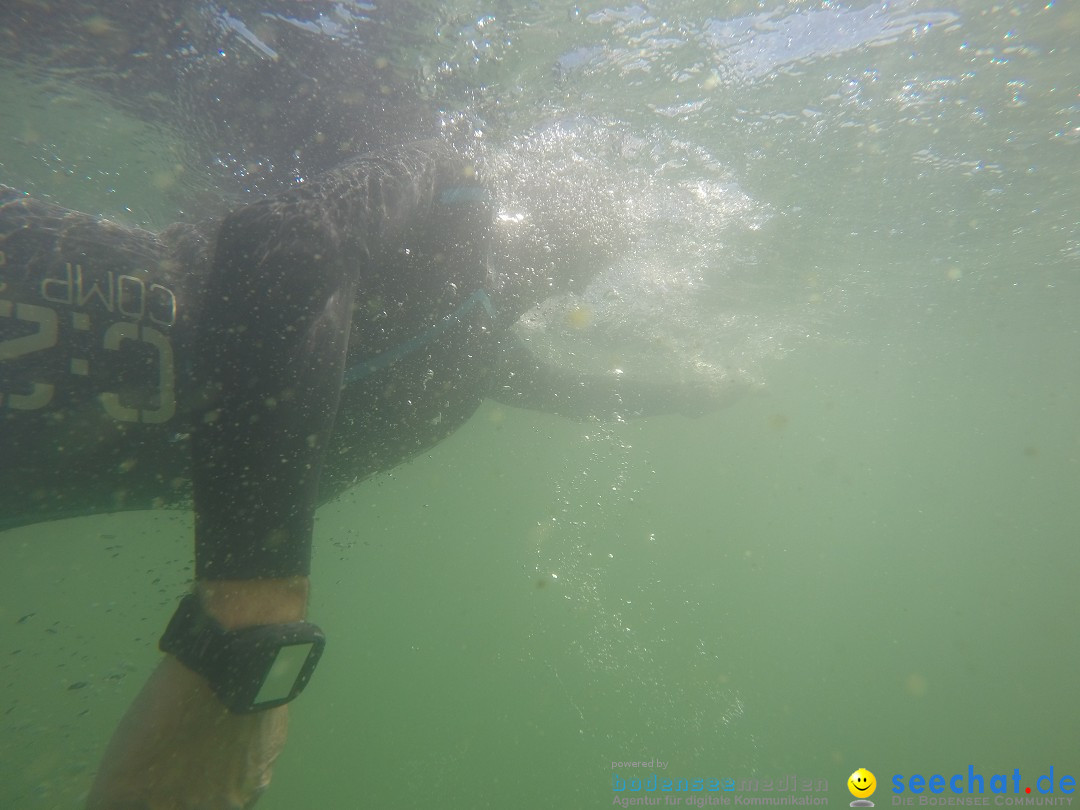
pixel 975 789
pixel 862 785
pixel 655 789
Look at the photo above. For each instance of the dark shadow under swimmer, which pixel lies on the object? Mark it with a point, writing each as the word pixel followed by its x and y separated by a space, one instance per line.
pixel 255 367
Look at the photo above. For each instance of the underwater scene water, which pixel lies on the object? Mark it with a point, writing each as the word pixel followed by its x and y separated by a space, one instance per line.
pixel 864 220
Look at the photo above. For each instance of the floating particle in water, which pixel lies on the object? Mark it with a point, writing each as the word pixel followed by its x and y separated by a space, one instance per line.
pixel 915 685
pixel 578 317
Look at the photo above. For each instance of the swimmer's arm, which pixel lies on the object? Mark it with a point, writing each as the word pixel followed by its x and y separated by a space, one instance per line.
pixel 275 327
pixel 268 367
pixel 271 349
pixel 275 319
pixel 177 745
pixel 274 331
pixel 523 380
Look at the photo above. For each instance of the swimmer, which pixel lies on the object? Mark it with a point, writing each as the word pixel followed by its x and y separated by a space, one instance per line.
pixel 251 368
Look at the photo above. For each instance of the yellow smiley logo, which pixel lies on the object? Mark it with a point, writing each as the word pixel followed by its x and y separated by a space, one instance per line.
pixel 862 784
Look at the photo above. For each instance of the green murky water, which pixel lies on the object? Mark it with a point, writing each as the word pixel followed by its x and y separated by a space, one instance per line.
pixel 872 561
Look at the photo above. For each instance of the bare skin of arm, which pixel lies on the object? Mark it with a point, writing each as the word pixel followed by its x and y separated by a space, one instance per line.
pixel 178 747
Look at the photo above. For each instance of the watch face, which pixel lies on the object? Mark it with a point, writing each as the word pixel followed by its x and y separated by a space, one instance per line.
pixel 281 677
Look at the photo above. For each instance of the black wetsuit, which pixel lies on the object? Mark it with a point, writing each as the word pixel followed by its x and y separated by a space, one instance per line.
pixel 263 364
pixel 136 366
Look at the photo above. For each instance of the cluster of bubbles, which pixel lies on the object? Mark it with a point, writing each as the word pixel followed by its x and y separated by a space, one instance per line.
pixel 662 212
pixel 624 686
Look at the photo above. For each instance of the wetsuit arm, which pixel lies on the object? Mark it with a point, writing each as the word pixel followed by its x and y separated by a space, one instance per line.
pixel 524 380
pixel 271 348
pixel 274 333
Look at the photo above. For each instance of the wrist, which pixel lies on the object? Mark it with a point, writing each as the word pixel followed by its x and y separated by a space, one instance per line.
pixel 245 603
pixel 255 653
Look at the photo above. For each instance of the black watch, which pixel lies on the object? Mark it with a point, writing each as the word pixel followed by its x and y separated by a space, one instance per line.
pixel 249 669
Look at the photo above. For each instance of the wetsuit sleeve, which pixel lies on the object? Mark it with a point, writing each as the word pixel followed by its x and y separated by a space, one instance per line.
pixel 272 341
pixel 525 381
pixel 272 344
